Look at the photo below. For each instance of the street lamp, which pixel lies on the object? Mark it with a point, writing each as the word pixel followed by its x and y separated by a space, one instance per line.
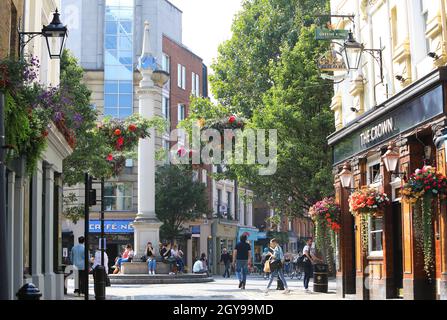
pixel 55 35
pixel 352 52
pixel 346 177
pixel 390 159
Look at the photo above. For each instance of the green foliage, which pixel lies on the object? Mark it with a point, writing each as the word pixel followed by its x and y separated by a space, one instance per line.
pixel 90 136
pixel 178 199
pixel 72 210
pixel 260 31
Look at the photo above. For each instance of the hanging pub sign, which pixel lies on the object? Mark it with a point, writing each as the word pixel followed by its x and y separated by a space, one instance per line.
pixel 328 34
pixel 331 61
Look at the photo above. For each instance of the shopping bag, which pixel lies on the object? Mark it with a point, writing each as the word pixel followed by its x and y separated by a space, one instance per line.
pixel 267 267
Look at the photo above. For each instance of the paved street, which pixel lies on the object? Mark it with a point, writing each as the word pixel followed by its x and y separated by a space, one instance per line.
pixel 220 289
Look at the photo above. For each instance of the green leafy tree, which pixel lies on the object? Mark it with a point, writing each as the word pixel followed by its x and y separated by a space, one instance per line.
pixel 242 72
pixel 178 199
pixel 268 72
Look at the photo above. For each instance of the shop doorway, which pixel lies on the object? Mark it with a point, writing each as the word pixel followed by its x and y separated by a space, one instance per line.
pixel 398 272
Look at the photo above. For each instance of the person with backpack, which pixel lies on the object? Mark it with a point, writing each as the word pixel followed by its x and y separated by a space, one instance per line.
pixel 276 266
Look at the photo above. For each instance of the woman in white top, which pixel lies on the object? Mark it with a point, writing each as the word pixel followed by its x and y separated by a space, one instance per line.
pixel 309 260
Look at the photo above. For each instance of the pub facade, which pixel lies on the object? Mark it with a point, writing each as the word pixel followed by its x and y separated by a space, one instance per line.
pixel 391 104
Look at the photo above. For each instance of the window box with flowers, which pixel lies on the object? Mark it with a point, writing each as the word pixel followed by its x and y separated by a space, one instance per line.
pixel 367 203
pixel 420 191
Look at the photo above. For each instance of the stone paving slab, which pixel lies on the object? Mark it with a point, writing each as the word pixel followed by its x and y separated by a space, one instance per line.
pixel 220 289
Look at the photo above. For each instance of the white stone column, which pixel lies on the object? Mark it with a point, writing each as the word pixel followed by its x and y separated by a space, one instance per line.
pixel 36 229
pixel 50 276
pixel 10 234
pixel 146 224
pixel 18 233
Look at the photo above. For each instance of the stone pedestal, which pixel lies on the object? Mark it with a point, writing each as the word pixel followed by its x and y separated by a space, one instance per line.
pixel 146 231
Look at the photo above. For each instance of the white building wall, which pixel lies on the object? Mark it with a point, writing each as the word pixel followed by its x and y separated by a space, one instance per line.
pixel 406 30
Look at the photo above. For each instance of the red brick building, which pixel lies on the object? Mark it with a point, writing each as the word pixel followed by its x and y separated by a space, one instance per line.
pixel 187 78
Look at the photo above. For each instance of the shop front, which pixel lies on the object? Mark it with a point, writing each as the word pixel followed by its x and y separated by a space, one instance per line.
pixel 197 243
pixel 223 236
pixel 389 263
pixel 118 234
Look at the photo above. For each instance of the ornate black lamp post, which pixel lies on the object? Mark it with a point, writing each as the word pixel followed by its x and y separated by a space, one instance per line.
pixel 55 35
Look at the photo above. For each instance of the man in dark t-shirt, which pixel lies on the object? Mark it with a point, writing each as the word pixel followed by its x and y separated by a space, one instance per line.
pixel 242 257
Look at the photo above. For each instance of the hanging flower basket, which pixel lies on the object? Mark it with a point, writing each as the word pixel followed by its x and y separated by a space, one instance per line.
pixel 326 217
pixel 123 136
pixel 367 202
pixel 231 122
pixel 420 191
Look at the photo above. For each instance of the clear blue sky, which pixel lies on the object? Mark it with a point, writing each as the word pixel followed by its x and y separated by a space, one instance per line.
pixel 206 24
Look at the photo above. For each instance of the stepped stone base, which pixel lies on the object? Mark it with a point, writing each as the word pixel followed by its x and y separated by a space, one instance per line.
pixel 142 268
pixel 158 278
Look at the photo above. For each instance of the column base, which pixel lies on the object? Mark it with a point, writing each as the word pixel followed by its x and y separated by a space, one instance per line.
pixel 60 285
pixel 443 287
pixel 377 289
pixel 145 230
pixel 50 286
pixel 361 292
pixel 339 286
pixel 38 280
pixel 419 289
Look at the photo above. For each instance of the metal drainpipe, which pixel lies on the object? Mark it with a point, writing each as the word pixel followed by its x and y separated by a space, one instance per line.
pixel 372 80
pixel 3 245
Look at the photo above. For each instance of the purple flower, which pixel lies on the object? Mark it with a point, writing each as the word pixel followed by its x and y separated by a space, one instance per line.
pixel 58 116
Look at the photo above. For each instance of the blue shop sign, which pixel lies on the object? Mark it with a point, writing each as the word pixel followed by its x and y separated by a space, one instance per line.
pixel 195 229
pixel 111 226
pixel 252 235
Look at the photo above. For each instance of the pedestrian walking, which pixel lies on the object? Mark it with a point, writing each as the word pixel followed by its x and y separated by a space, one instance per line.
pixel 151 260
pixel 309 260
pixel 97 261
pixel 225 258
pixel 242 260
pixel 77 257
pixel 276 265
pixel 264 258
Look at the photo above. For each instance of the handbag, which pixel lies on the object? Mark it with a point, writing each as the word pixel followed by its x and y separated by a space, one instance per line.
pixel 275 265
pixel 267 267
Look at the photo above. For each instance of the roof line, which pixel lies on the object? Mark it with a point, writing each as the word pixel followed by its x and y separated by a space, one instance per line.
pixel 174 6
pixel 182 45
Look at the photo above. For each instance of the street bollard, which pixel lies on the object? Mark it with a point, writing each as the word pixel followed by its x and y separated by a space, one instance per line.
pixel 99 277
pixel 321 278
pixel 29 292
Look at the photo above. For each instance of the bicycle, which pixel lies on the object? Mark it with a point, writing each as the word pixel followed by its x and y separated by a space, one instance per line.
pixel 297 271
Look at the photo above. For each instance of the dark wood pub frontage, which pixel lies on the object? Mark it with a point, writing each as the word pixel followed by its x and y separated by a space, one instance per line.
pixel 414 123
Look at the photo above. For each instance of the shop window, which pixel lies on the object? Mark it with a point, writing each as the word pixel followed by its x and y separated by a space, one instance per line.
pixel 118 196
pixel 376 236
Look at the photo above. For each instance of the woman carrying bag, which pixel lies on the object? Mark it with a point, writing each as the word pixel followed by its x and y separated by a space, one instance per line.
pixel 276 266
